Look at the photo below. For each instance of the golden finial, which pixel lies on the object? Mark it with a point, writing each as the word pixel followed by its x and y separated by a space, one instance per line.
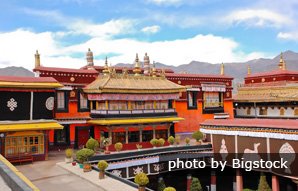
pixel 37 59
pixel 222 69
pixel 105 70
pixel 282 63
pixel 248 70
pixel 124 72
pixel 137 69
pixel 89 58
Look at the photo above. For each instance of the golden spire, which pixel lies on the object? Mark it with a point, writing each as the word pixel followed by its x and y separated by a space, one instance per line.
pixel 282 64
pixel 137 69
pixel 146 65
pixel 222 69
pixel 37 59
pixel 105 70
pixel 248 70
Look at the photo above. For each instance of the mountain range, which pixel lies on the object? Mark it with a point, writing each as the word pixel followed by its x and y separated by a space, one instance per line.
pixel 238 70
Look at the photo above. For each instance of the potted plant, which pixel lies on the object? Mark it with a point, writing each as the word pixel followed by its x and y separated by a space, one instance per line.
pixel 68 155
pixel 142 180
pixel 161 142
pixel 177 139
pixel 196 185
pixel 154 143
pixel 102 165
pixel 92 144
pixel 169 189
pixel 118 146
pixel 198 135
pixel 139 146
pixel 83 156
pixel 187 141
pixel 171 140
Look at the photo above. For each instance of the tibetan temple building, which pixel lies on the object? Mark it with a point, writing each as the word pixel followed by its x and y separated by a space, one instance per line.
pixel 27 116
pixel 270 94
pixel 132 105
pixel 271 99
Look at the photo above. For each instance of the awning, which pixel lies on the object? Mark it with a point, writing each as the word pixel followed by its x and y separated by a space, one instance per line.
pixel 125 121
pixel 213 87
pixel 133 97
pixel 4 127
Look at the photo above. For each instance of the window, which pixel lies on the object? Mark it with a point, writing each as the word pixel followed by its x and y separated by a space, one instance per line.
pixel 33 144
pixel 170 104
pixel 263 111
pixel 61 136
pixel 148 105
pixel 62 101
pixel 282 111
pixel 248 111
pixel 212 99
pixel 147 135
pixel 138 105
pixel 296 112
pixel 161 134
pixel 118 137
pixel 192 100
pixel 83 105
pixel 133 136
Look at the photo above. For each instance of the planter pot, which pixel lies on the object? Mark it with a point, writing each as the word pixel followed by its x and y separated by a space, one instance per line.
pixel 154 147
pixel 101 174
pixel 68 160
pixel 87 167
pixel 74 163
pixel 141 188
pixel 198 142
pixel 80 165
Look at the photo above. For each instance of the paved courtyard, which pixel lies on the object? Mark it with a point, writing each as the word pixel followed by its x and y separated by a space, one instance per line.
pixel 47 176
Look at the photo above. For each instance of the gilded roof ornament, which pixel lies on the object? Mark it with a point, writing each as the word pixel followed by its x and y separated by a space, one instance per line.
pixel 106 67
pixel 137 69
pixel 222 69
pixel 37 59
pixel 248 70
pixel 282 64
pixel 89 57
pixel 153 70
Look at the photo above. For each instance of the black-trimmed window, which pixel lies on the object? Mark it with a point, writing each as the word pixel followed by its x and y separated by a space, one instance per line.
pixel 133 136
pixel 61 101
pixel 170 104
pixel 118 137
pixel 61 136
pixel 161 134
pixel 192 100
pixel 147 135
pixel 83 103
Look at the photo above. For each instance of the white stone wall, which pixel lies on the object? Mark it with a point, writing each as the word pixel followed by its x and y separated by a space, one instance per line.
pixel 271 112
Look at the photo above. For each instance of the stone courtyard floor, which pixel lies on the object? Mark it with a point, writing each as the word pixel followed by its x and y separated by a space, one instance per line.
pixel 47 176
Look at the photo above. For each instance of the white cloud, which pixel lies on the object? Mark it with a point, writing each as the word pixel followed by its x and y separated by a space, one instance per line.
pixel 165 2
pixel 151 29
pixel 207 48
pixel 257 17
pixel 288 36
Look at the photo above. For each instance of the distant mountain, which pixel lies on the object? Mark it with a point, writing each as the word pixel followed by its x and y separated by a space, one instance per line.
pixel 238 70
pixel 15 71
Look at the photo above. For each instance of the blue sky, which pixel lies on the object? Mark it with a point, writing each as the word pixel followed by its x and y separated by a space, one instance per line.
pixel 173 32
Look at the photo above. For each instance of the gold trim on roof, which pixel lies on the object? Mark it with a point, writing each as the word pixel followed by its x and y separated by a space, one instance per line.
pixel 119 83
pixel 125 121
pixel 30 84
pixel 4 127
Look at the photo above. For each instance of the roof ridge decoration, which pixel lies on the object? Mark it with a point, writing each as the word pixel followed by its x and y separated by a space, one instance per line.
pixel 37 59
pixel 137 69
pixel 282 63
pixel 222 69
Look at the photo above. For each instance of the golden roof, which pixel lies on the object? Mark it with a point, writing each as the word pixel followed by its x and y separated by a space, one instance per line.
pixel 287 92
pixel 118 83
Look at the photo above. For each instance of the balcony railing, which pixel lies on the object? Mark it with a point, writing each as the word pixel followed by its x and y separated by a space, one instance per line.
pixel 137 111
pixel 212 104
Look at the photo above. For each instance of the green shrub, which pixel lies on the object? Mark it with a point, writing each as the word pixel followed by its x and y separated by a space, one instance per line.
pixel 247 189
pixel 68 153
pixel 102 165
pixel 187 140
pixel 263 184
pixel 92 144
pixel 171 140
pixel 84 154
pixel 141 179
pixel 198 135
pixel 195 185
pixel 161 184
pixel 169 189
pixel 161 142
pixel 118 146
pixel 154 142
